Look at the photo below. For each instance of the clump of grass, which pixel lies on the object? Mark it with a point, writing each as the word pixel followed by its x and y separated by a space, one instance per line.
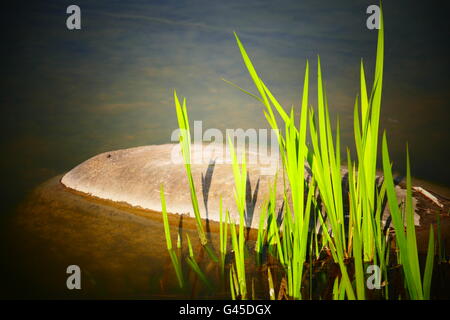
pixel 418 288
pixel 185 144
pixel 326 168
pixel 294 152
pixel 190 259
pixel 238 241
pixel 361 240
pixel 338 290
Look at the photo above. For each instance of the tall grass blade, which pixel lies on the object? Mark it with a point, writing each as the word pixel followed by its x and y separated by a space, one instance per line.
pixel 428 274
pixel 173 256
pixel 185 144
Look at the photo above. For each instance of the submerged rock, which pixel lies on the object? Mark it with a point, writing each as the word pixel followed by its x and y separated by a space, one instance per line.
pixel 122 250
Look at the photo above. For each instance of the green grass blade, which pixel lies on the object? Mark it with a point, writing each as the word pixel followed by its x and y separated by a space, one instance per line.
pixel 185 141
pixel 428 274
pixel 173 257
pixel 243 90
pixel 195 267
pixel 177 266
pixel 165 219
pixel 409 265
pixel 271 287
pixel 232 286
pixel 410 230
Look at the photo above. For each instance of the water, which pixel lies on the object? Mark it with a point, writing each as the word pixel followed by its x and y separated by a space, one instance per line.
pixel 71 95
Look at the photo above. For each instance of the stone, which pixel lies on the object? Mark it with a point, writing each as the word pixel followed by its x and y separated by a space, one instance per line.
pixel 134 176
